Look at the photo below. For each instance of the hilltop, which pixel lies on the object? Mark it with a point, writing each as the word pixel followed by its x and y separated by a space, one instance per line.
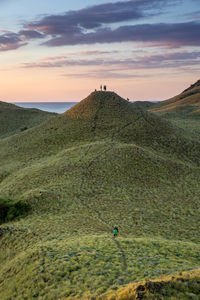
pixel 188 101
pixel 14 119
pixel 105 161
pixel 101 117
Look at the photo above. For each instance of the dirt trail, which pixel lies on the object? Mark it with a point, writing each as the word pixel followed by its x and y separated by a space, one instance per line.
pixel 122 253
pixel 99 154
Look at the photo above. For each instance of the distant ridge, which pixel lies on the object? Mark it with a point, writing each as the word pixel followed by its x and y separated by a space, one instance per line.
pixel 15 119
pixel 144 104
pixel 187 101
pixel 196 84
pixel 102 116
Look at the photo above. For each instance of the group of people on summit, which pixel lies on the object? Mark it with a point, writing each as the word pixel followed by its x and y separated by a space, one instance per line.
pixel 103 88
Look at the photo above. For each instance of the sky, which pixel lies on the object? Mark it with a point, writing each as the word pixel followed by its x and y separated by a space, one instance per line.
pixel 60 51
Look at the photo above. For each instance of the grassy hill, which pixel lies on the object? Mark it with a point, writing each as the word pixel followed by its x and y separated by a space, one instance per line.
pixel 147 105
pixel 188 101
pixel 181 286
pixel 14 119
pixel 103 162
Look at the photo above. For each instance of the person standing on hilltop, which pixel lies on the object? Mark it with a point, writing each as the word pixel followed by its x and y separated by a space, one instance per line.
pixel 105 88
pixel 115 231
pixel 101 87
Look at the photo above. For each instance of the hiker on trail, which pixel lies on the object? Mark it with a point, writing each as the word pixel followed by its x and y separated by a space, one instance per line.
pixel 115 231
pixel 104 87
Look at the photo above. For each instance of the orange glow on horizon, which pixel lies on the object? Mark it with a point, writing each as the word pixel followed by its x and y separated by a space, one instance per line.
pixel 27 85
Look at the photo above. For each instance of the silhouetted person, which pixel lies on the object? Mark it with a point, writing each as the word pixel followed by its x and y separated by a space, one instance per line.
pixel 104 88
pixel 101 87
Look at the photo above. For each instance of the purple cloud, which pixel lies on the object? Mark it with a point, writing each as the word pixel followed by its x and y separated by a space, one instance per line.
pixel 93 24
pixel 170 35
pixel 30 34
pixel 96 52
pixel 95 16
pixel 10 41
pixel 103 74
pixel 167 60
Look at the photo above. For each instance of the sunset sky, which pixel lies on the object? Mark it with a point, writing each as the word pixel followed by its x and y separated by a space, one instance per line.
pixel 62 50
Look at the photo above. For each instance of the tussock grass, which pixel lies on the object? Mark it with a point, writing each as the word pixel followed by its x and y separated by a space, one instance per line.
pixel 104 162
pixel 10 209
pixel 15 119
pixel 87 265
pixel 183 285
pixel 188 102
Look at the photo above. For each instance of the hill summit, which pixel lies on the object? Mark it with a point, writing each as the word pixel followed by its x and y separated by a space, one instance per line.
pixel 100 116
pixel 99 101
pixel 109 115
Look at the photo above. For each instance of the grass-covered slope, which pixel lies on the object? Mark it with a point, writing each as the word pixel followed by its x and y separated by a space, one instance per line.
pixel 14 119
pixel 182 286
pixel 188 101
pixel 103 162
pixel 87 266
pixel 100 117
pixel 146 105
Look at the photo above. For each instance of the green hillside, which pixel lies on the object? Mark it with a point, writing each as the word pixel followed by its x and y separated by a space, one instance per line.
pixel 14 119
pixel 147 105
pixel 188 101
pixel 181 286
pixel 103 162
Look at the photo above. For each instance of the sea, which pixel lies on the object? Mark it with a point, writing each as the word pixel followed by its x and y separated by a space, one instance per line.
pixel 57 107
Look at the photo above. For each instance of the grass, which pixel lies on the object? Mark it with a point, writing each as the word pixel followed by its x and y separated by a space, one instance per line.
pixel 104 162
pixel 183 286
pixel 10 210
pixel 189 123
pixel 187 102
pixel 87 266
pixel 15 119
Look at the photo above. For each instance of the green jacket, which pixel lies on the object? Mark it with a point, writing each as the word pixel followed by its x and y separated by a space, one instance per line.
pixel 115 231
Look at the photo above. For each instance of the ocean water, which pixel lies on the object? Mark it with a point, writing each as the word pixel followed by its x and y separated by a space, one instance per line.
pixel 57 107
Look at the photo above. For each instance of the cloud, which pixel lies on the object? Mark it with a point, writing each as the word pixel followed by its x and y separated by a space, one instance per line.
pixel 81 53
pixel 164 60
pixel 96 52
pixel 170 35
pixel 10 41
pixel 104 74
pixel 59 63
pixel 95 16
pixel 94 24
pixel 30 34
pixel 101 24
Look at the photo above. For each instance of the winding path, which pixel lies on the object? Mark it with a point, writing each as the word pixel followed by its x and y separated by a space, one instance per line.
pixel 99 215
